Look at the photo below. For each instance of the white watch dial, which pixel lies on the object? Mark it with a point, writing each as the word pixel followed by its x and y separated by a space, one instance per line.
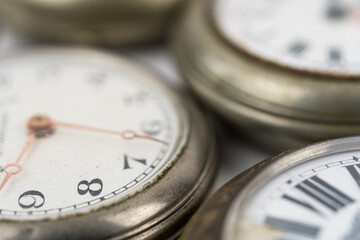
pixel 318 199
pixel 108 130
pixel 318 36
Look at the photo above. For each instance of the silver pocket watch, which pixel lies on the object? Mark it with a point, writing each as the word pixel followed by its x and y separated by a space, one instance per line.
pixel 95 147
pixel 285 72
pixel 310 193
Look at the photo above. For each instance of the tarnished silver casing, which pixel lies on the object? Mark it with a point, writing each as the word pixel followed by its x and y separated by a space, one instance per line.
pixel 158 211
pixel 111 23
pixel 273 104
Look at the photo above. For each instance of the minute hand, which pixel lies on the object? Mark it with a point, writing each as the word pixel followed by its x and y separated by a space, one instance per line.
pixel 126 134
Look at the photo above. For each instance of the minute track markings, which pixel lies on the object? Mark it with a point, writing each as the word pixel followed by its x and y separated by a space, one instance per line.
pixel 329 165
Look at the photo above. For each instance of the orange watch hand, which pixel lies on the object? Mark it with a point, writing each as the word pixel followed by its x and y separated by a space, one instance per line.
pixel 14 168
pixel 37 126
pixel 127 134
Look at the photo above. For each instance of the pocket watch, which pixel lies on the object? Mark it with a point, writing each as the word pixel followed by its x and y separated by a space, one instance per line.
pixel 95 147
pixel 311 193
pixel 285 72
pixel 114 22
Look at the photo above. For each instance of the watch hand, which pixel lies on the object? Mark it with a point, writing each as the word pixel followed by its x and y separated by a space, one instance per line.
pixel 127 134
pixel 14 168
pixel 37 126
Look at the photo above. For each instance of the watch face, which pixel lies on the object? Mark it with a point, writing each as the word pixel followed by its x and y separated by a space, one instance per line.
pixel 79 132
pixel 317 36
pixel 315 199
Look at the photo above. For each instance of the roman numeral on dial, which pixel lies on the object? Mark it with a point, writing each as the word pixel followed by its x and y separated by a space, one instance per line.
pixel 301 203
pixel 324 193
pixel 354 173
pixel 293 226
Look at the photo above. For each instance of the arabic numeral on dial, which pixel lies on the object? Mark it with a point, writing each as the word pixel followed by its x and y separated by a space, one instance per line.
pixel 151 128
pixel 137 99
pixel 31 199
pixel 94 187
pixel 127 164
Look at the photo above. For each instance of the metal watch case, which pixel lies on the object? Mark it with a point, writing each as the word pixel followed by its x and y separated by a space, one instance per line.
pixel 277 106
pixel 161 208
pixel 210 220
pixel 111 23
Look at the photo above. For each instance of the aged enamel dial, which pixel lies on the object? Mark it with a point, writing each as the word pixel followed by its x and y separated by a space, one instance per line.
pixel 315 200
pixel 286 72
pixel 317 36
pixel 80 133
pixel 312 193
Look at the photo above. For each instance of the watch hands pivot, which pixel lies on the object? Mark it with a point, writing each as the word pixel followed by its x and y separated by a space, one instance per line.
pixel 40 125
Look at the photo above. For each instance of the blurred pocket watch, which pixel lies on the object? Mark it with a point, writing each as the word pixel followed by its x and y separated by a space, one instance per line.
pixel 311 193
pixel 281 70
pixel 95 147
pixel 112 22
